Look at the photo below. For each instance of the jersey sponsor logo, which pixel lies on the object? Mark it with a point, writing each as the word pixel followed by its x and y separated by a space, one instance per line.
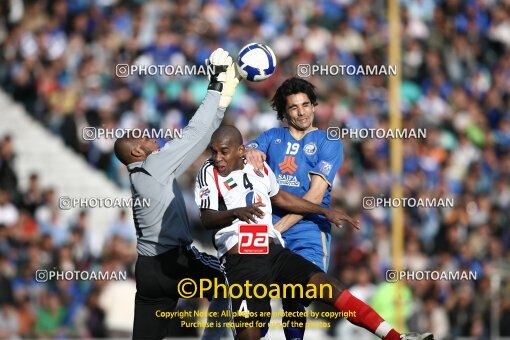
pixel 288 180
pixel 253 239
pixel 252 145
pixel 288 166
pixel 310 148
pixel 230 184
pixel 277 141
pixel 325 167
pixel 258 173
pixel 204 192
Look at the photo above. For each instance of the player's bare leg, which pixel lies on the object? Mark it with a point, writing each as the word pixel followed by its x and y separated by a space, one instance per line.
pixel 249 334
pixel 364 315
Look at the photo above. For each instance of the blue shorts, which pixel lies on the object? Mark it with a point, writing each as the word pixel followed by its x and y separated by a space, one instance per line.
pixel 313 244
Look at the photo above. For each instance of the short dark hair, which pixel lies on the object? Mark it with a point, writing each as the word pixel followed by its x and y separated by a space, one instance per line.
pixel 228 133
pixel 291 86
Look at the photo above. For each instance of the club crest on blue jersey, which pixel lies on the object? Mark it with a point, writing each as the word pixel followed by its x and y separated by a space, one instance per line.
pixel 310 148
pixel 325 167
pixel 277 141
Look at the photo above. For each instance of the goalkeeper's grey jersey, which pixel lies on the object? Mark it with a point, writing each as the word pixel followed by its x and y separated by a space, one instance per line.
pixel 164 223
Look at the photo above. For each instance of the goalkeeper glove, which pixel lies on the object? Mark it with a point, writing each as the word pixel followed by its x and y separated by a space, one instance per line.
pixel 224 78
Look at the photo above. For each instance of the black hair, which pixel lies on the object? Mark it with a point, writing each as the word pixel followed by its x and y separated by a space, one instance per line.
pixel 228 133
pixel 291 86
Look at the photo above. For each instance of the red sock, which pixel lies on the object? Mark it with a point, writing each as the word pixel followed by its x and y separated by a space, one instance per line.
pixel 364 316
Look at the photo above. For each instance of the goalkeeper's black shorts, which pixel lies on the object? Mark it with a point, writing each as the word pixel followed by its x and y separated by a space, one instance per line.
pixel 157 278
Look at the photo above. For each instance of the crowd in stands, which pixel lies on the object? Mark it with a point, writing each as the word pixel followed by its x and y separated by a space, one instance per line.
pixel 58 58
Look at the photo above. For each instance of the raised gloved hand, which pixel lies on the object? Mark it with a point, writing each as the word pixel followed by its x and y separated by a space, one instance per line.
pixel 224 79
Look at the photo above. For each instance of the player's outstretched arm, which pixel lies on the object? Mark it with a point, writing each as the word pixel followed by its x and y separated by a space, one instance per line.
pixel 286 200
pixel 213 219
pixel 315 194
pixel 177 155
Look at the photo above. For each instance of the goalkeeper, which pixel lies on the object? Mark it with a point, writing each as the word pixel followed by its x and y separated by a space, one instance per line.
pixel 165 253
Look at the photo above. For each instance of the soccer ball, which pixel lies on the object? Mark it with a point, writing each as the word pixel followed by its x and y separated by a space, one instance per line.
pixel 256 62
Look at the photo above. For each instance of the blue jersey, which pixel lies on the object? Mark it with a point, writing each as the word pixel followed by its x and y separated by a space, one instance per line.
pixel 294 162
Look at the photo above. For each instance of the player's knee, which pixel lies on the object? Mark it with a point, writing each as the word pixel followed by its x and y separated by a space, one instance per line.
pixel 321 280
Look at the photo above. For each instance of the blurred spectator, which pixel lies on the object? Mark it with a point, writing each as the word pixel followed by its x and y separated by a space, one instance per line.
pixel 505 317
pixel 7 272
pixel 9 323
pixel 122 227
pixel 119 311
pixel 383 301
pixel 79 246
pixel 79 238
pixel 27 318
pixel 32 198
pixel 434 318
pixel 90 319
pixel 8 177
pixel 27 229
pixel 49 316
pixel 120 249
pixel 49 203
pixel 8 212
pixel 56 227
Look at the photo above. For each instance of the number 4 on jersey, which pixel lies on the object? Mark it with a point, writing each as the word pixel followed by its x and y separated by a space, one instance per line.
pixel 243 309
pixel 246 182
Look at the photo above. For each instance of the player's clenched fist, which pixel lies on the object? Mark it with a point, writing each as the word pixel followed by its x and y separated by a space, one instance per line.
pixel 247 214
pixel 224 78
pixel 220 61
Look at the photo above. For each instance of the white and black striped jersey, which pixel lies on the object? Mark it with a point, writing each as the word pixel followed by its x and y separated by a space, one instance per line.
pixel 238 189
